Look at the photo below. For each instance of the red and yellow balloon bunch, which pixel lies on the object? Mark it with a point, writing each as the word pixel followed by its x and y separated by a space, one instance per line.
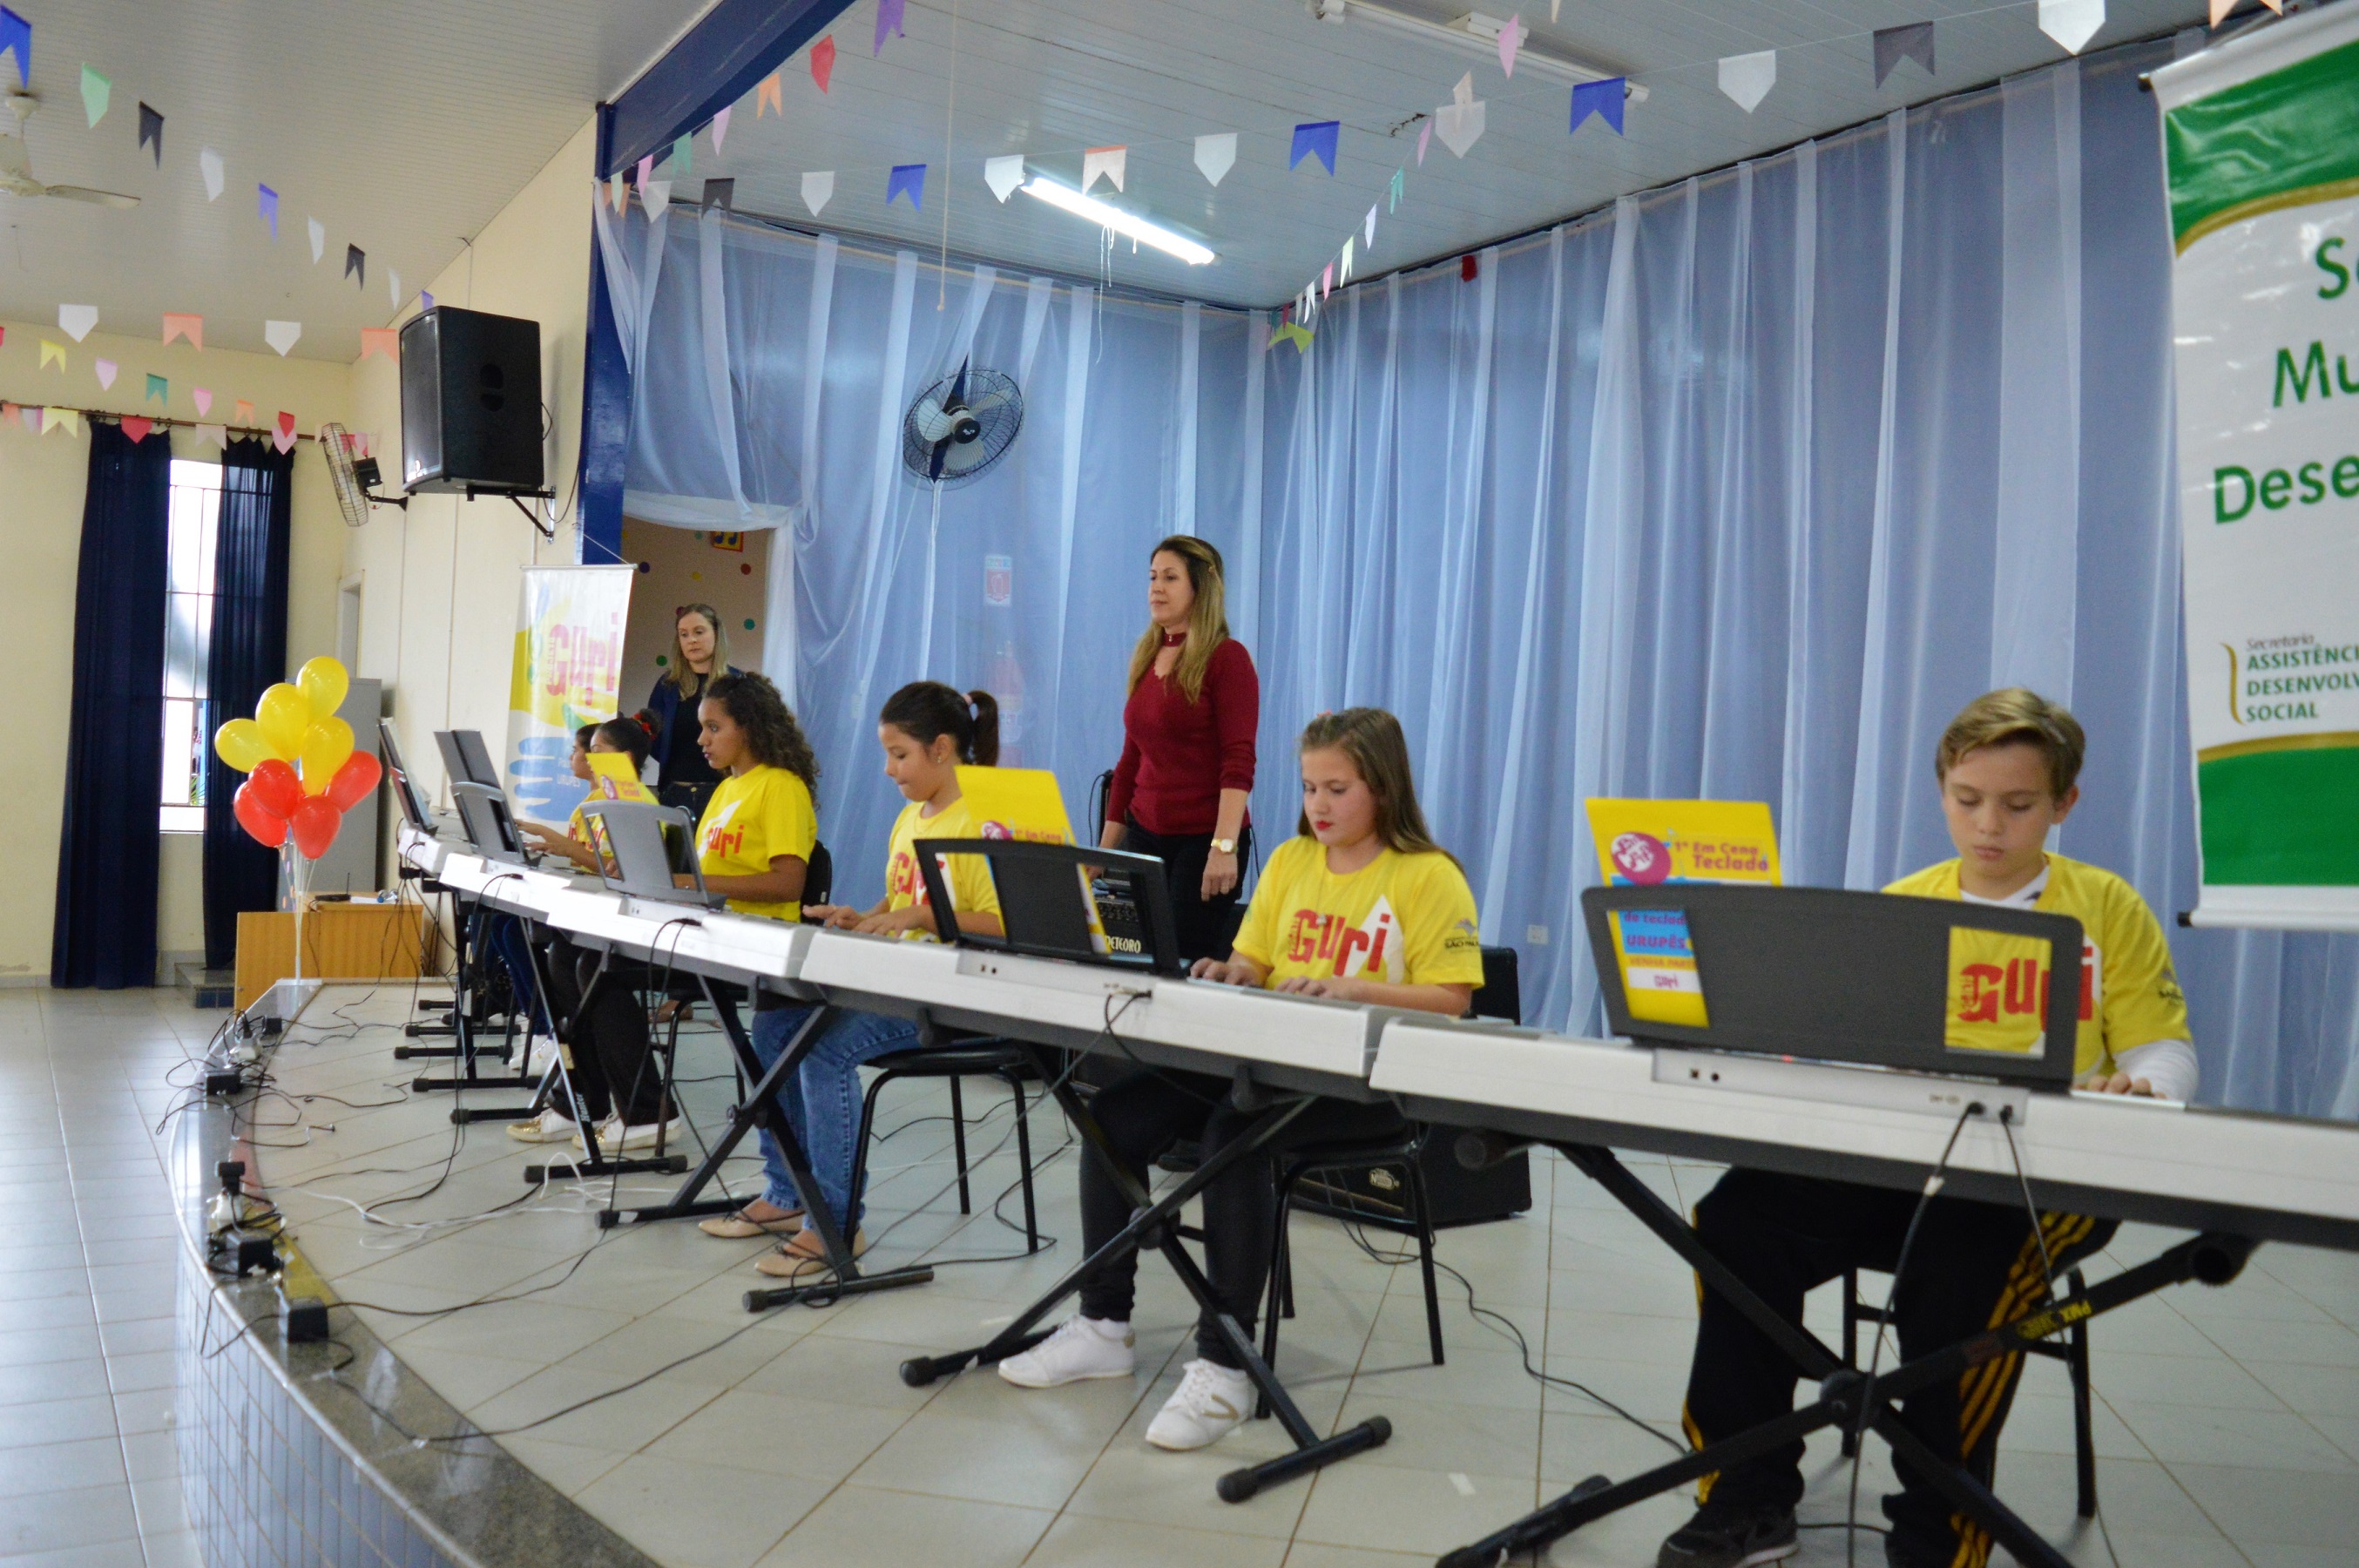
pixel 302 772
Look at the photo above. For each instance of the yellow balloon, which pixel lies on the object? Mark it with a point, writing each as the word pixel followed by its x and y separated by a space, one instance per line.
pixel 324 681
pixel 326 745
pixel 284 714
pixel 241 744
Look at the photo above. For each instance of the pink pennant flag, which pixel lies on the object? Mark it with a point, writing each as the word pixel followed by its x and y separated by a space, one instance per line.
pixel 106 368
pixel 7 413
pixel 385 341
pixel 204 400
pixel 243 415
pixel 719 127
pixel 646 172
pixel 190 327
pixel 1326 279
pixel 283 438
pixel 137 427
pixel 1511 40
pixel 1424 139
pixel 32 414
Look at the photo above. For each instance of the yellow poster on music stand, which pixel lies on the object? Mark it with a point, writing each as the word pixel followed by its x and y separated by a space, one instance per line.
pixel 1021 803
pixel 1646 844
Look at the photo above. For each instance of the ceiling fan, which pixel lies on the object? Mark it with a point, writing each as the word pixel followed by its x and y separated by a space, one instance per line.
pixel 16 160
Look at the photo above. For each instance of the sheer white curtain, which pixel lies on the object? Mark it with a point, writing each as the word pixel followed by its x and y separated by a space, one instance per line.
pixel 1740 489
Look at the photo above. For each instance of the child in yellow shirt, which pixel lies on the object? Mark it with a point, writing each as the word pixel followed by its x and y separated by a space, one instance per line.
pixel 1360 905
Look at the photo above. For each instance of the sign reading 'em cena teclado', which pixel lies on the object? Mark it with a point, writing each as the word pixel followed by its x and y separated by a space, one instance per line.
pixel 2261 154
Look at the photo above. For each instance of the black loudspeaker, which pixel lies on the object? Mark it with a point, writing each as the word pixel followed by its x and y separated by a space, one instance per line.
pixel 470 403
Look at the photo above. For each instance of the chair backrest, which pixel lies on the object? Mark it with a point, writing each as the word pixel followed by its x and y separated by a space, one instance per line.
pixel 818 876
pixel 1501 995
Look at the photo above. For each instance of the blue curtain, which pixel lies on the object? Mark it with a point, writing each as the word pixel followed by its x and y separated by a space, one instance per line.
pixel 104 933
pixel 1740 489
pixel 246 653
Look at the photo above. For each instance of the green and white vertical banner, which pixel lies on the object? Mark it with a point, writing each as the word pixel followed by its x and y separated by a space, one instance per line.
pixel 2261 154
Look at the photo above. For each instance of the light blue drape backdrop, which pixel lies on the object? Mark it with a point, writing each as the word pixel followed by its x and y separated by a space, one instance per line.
pixel 1740 489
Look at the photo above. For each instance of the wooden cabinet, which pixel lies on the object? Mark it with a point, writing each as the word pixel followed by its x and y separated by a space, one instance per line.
pixel 341 942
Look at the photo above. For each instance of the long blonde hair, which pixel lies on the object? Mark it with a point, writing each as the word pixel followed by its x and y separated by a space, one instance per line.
pixel 679 674
pixel 1208 619
pixel 1371 738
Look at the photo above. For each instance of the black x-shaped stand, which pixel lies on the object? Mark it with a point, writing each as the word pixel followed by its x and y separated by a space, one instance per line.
pixel 1847 1397
pixel 594 1161
pixel 1155 1222
pixel 466 1019
pixel 842 1275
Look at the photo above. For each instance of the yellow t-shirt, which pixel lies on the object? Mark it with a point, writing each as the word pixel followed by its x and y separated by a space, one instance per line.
pixel 605 787
pixel 754 816
pixel 970 874
pixel 2129 996
pixel 1405 919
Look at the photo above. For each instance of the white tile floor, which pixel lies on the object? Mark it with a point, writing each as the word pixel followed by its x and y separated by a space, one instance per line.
pixel 2228 1429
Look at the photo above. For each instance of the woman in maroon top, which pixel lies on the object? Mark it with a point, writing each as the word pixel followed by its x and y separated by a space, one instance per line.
pixel 1188 746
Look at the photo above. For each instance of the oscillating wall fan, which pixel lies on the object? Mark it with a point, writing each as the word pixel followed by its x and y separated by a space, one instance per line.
pixel 960 425
pixel 355 479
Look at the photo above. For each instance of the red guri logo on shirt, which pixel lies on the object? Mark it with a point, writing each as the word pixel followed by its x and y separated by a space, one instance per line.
pixel 1371 947
pixel 723 842
pixel 901 878
pixel 1988 990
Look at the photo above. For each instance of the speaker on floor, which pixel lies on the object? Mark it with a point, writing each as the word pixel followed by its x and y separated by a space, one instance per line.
pixel 471 403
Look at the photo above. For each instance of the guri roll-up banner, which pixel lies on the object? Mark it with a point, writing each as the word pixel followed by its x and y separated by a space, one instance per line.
pixel 567 672
pixel 2261 154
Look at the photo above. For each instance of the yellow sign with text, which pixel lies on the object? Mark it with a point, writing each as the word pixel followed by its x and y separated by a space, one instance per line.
pixel 1645 843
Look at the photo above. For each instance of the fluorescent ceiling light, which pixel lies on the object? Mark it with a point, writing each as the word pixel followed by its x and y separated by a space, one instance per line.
pixel 1473 32
pixel 1119 222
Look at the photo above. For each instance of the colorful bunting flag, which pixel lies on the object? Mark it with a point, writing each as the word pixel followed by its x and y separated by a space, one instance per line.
pixel 95 90
pixel 319 232
pixel 243 415
pixel 217 434
pixel 2072 22
pixel 380 339
pixel 1371 236
pixel 1400 177
pixel 818 187
pixel 719 127
pixel 906 179
pixel 1326 279
pixel 768 94
pixel 888 21
pixel 1294 332
pixel 425 300
pixel 8 412
pixel 137 426
pixel 281 336
pixel 1460 121
pixel 646 172
pixel 1315 138
pixel 823 67
pixel 53 353
pixel 1344 274
pixel 683 157
pixel 1108 161
pixel 61 420
pixel 1004 174
pixel 1747 78
pixel 203 398
pixel 151 131
pixel 1893 45
pixel 1511 41
pixel 618 190
pixel 210 162
pixel 32 415
pixel 1604 99
pixel 392 287
pixel 106 369
pixel 1424 139
pixel 1215 154
pixel 283 437
pixel 190 327
pixel 356 263
pixel 159 389
pixel 268 199
pixel 656 195
pixel 78 320
pixel 721 193
pixel 17 39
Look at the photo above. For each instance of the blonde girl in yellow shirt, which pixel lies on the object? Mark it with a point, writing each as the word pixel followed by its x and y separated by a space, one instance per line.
pixel 1360 905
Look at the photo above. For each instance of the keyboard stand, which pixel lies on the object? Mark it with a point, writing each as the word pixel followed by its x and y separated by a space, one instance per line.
pixel 1847 1397
pixel 593 1162
pixel 471 956
pixel 1155 1222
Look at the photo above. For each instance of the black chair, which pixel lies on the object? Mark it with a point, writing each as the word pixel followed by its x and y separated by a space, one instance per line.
pixel 975 1058
pixel 2073 1352
pixel 1499 996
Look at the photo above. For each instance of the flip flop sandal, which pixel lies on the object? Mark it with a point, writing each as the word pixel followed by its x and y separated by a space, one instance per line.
pixel 790 1261
pixel 737 1224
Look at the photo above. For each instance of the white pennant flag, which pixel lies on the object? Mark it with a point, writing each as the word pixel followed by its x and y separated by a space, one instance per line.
pixel 210 161
pixel 393 287
pixel 77 320
pixel 1215 153
pixel 1459 122
pixel 319 238
pixel 817 190
pixel 2071 23
pixel 281 336
pixel 1372 226
pixel 1345 275
pixel 1004 174
pixel 1747 78
pixel 656 195
pixel 1108 161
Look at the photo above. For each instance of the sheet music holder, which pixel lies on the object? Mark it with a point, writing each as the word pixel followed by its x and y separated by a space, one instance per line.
pixel 465 757
pixel 641 848
pixel 1835 976
pixel 1048 908
pixel 413 807
pixel 490 827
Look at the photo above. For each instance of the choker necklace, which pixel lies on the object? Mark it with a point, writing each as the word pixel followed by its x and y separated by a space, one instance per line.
pixel 1173 639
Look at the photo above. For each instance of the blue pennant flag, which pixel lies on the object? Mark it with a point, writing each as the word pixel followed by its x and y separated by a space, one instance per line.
pixel 17 39
pixel 906 179
pixel 1603 99
pixel 1315 139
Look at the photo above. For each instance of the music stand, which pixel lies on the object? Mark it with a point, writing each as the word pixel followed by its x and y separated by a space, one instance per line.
pixel 1049 909
pixel 464 756
pixel 642 848
pixel 412 807
pixel 489 825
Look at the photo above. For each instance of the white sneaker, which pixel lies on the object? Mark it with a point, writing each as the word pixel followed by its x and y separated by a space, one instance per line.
pixel 1211 1401
pixel 549 1127
pixel 1081 1348
pixel 539 1054
pixel 615 1138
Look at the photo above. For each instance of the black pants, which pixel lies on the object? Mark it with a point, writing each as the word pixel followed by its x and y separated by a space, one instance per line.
pixel 613 1068
pixel 1974 1265
pixel 1206 928
pixel 1145 1113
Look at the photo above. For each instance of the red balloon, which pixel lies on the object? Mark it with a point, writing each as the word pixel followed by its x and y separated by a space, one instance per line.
pixel 268 827
pixel 274 784
pixel 314 824
pixel 355 780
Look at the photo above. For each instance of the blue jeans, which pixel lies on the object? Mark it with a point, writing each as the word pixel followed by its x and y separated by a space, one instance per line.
pixel 826 1102
pixel 771 1033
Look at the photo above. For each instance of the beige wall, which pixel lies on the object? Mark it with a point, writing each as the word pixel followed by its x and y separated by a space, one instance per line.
pixel 683 566
pixel 43 479
pixel 440 582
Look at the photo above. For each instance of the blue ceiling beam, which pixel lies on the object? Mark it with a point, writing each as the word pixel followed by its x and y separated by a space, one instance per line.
pixel 716 62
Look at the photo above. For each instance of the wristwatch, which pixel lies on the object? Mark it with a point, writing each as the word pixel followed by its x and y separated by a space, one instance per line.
pixel 1225 846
